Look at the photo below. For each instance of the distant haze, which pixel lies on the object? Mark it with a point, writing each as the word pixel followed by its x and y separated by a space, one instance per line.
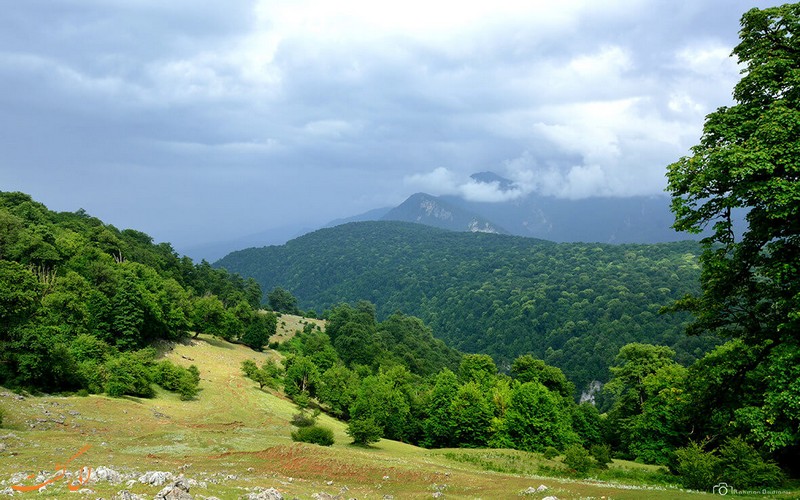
pixel 200 121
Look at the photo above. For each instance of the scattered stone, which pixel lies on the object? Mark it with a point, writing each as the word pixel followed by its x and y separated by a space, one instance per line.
pixel 8 491
pixel 250 469
pixel 530 490
pixel 542 488
pixel 74 413
pixel 86 491
pixel 550 498
pixel 385 478
pixel 438 494
pixel 2 447
pixel 127 495
pixel 156 478
pixel 158 414
pixel 388 497
pixel 18 477
pixel 329 483
pixel 325 496
pixel 106 474
pixel 264 494
pixel 178 490
pixel 194 482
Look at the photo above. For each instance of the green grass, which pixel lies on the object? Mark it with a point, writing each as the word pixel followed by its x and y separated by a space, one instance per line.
pixel 235 436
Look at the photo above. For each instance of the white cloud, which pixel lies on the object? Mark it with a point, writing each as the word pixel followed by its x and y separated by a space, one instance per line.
pixel 442 181
pixel 572 98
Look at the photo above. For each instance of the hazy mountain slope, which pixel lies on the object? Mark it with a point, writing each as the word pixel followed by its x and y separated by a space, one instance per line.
pixel 433 211
pixel 638 219
pixel 374 214
pixel 573 305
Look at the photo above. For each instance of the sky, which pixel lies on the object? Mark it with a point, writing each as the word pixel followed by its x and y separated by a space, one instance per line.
pixel 199 121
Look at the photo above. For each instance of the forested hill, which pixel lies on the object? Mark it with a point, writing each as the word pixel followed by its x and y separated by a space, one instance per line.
pixel 573 305
pixel 81 301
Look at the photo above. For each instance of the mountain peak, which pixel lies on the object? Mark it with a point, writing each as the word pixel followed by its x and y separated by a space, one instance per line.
pixel 491 177
pixel 431 210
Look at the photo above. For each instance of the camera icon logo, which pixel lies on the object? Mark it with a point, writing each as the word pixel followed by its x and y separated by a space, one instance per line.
pixel 721 489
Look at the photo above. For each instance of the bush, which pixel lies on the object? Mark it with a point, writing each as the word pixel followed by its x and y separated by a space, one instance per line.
pixel 128 374
pixel 736 463
pixel 364 431
pixel 303 419
pixel 314 434
pixel 550 453
pixel 601 454
pixel 697 468
pixel 175 378
pixel 743 468
pixel 578 459
pixel 2 414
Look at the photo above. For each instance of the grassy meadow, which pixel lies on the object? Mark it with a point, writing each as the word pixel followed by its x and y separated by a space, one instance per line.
pixel 235 437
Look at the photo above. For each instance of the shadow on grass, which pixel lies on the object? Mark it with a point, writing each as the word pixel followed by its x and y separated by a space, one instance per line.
pixel 364 446
pixel 214 341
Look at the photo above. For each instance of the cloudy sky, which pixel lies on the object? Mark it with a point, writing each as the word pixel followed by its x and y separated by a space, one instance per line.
pixel 198 121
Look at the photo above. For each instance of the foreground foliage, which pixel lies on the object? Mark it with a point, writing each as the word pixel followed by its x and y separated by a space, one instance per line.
pixel 748 159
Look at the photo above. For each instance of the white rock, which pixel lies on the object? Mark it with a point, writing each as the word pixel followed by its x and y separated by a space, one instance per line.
pixel 156 478
pixel 106 474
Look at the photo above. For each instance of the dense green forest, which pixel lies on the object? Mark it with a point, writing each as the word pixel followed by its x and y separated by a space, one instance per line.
pixel 572 305
pixel 81 304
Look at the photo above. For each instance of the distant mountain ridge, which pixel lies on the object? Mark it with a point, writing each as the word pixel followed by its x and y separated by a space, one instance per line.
pixel 635 219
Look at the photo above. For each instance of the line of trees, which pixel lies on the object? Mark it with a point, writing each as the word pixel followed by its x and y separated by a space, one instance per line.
pixel 467 402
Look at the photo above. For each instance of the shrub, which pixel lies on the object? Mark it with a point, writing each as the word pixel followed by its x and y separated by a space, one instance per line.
pixel 175 378
pixel 601 454
pixel 2 414
pixel 314 434
pixel 578 459
pixel 697 468
pixel 550 453
pixel 128 374
pixel 743 468
pixel 303 419
pixel 364 431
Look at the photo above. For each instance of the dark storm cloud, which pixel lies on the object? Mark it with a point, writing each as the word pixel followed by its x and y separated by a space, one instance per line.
pixel 199 121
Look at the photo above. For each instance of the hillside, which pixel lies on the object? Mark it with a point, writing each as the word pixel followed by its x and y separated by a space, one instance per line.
pixel 235 439
pixel 573 305
pixel 81 301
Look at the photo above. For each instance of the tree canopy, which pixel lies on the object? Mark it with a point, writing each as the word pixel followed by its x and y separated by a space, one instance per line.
pixel 572 305
pixel 748 159
pixel 79 299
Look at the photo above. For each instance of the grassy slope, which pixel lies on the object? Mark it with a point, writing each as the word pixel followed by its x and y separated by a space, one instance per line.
pixel 236 437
